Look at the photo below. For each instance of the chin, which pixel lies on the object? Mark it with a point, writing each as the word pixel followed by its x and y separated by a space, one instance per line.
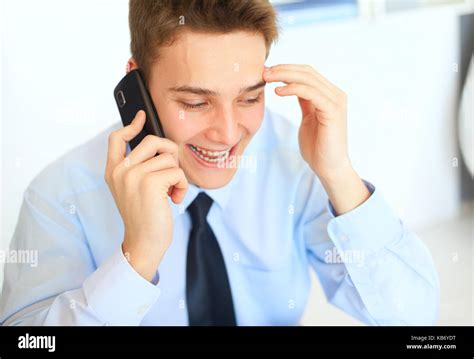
pixel 205 171
pixel 211 179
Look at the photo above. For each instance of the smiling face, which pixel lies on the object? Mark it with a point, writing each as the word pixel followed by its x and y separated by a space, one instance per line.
pixel 209 94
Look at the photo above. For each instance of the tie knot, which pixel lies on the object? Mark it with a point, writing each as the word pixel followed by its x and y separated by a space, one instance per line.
pixel 199 208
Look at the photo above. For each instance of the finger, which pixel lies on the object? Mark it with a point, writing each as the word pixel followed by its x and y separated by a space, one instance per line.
pixel 291 76
pixel 318 99
pixel 306 69
pixel 118 140
pixel 149 147
pixel 158 163
pixel 174 178
pixel 154 164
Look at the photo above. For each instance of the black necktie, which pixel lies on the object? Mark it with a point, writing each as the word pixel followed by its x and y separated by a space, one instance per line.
pixel 208 295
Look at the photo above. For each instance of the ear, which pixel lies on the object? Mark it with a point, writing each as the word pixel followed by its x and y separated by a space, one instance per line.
pixel 131 65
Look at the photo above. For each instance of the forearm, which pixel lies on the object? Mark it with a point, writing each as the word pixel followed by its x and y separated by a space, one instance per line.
pixel 113 294
pixel 389 276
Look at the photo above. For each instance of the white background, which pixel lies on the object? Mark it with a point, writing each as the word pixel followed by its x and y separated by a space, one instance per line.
pixel 62 59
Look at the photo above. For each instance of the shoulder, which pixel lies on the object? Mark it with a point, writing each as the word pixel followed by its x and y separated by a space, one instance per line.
pixel 277 131
pixel 79 170
pixel 277 143
pixel 285 160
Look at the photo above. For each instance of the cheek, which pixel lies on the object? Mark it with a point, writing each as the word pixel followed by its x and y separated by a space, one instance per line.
pixel 252 118
pixel 177 124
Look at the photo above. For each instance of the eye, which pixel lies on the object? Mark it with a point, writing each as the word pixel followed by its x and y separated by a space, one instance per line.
pixel 251 101
pixel 194 105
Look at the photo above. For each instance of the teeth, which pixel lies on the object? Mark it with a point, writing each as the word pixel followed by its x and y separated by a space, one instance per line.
pixel 217 156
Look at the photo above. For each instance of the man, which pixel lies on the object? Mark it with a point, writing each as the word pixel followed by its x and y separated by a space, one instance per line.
pixel 189 238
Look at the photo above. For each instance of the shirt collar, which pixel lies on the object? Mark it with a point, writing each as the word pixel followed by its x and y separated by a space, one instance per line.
pixel 220 196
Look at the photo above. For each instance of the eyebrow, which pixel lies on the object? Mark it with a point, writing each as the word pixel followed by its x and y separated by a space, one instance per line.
pixel 206 92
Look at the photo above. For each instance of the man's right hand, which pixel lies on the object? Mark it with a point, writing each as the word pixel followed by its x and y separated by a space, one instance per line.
pixel 141 184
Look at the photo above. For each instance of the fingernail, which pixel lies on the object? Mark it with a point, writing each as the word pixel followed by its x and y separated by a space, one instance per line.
pixel 140 115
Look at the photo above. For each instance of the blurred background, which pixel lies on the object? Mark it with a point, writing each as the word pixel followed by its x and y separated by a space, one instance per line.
pixel 405 65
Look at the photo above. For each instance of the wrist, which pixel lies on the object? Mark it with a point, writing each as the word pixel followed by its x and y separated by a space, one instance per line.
pixel 142 257
pixel 338 175
pixel 345 190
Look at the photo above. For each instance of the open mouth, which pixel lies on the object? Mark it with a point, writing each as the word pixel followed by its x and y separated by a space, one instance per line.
pixel 209 157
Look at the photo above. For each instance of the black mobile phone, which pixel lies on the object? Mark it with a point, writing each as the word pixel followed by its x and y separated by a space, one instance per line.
pixel 131 95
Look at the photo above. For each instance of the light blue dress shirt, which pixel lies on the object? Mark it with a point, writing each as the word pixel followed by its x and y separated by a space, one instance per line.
pixel 273 222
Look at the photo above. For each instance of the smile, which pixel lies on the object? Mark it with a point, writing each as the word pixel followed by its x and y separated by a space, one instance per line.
pixel 209 155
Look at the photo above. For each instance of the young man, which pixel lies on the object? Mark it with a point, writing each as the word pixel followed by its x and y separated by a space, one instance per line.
pixel 186 237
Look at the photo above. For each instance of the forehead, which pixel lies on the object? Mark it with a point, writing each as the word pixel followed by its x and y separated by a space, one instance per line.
pixel 217 61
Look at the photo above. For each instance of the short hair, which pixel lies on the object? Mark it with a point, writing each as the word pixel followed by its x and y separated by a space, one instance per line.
pixel 155 23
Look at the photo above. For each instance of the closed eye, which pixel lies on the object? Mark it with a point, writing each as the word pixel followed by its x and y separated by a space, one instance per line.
pixel 200 105
pixel 194 105
pixel 253 100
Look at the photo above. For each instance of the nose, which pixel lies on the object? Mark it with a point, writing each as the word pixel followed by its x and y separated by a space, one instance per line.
pixel 225 127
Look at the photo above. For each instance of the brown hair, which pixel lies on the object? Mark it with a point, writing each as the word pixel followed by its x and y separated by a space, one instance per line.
pixel 154 23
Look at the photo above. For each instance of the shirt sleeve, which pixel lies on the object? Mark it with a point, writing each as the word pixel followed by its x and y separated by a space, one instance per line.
pixel 369 264
pixel 63 286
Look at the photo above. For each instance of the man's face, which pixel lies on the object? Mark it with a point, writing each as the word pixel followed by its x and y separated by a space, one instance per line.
pixel 209 94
